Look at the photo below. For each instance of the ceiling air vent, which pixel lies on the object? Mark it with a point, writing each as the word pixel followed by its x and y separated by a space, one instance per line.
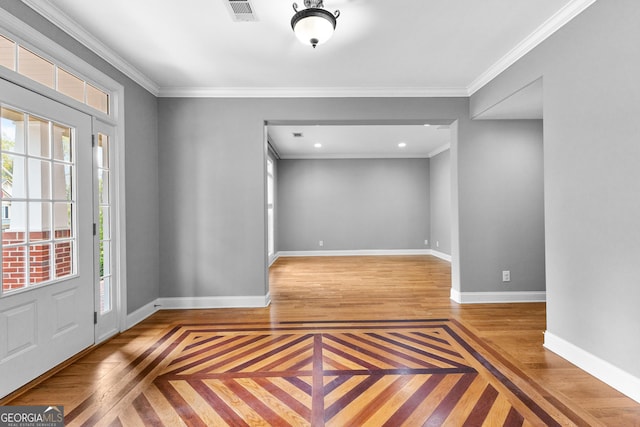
pixel 241 10
pixel 297 134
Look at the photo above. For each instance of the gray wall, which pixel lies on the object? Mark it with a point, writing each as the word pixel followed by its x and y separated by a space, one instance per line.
pixel 440 202
pixel 501 206
pixel 141 154
pixel 142 197
pixel 590 72
pixel 353 204
pixel 212 174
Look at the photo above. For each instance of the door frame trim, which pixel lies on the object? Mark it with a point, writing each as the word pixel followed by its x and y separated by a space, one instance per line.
pixel 30 37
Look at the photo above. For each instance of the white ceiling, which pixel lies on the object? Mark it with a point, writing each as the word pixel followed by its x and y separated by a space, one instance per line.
pixel 380 48
pixel 359 141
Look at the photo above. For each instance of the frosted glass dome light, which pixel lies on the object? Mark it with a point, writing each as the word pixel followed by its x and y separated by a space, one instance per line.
pixel 313 25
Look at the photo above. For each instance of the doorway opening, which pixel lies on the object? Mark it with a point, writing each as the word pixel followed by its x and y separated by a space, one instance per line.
pixel 358 188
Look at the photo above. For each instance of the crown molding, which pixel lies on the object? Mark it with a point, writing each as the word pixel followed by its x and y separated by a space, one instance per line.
pixel 540 34
pixel 439 150
pixel 550 26
pixel 352 156
pixel 68 25
pixel 312 92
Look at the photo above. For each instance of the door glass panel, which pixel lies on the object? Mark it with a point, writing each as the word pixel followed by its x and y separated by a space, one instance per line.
pixel 39 179
pixel 14 220
pixel 103 153
pixel 13 176
pixel 12 126
pixel 104 223
pixel 103 190
pixel 63 220
pixel 39 221
pixel 14 265
pixel 105 292
pixel 64 259
pixel 38 137
pixel 62 181
pixel 38 201
pixel 39 263
pixel 106 260
pixel 105 229
pixel 62 143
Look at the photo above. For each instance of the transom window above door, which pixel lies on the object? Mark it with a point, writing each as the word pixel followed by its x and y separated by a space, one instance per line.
pixel 24 61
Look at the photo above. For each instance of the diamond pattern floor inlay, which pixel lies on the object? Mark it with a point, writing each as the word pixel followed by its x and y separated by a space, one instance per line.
pixel 394 373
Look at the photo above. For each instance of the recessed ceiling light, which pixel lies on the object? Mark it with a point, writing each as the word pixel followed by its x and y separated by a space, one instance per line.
pixel 317 145
pixel 402 144
pixel 427 125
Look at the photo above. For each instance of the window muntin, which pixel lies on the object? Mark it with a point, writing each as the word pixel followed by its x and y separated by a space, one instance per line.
pixel 38 200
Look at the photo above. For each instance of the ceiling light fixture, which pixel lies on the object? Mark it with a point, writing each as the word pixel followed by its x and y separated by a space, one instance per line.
pixel 402 144
pixel 317 145
pixel 313 25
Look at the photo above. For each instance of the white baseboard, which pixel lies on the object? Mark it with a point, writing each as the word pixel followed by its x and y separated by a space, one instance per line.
pixel 441 255
pixel 215 302
pixel 142 313
pixel 274 258
pixel 497 297
pixel 622 381
pixel 357 252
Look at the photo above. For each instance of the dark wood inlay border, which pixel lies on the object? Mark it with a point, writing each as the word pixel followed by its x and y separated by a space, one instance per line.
pixel 371 345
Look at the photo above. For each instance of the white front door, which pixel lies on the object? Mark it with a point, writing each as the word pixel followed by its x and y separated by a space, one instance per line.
pixel 47 294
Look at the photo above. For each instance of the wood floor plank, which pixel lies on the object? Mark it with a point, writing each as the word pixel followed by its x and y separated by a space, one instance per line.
pixel 165 411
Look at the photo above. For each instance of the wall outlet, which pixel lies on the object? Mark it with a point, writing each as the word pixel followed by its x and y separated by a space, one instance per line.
pixel 506 276
pixel 426 243
pixel 437 243
pixel 321 243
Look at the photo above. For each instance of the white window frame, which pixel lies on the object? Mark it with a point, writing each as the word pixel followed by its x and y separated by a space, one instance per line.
pixel 271 230
pixel 35 41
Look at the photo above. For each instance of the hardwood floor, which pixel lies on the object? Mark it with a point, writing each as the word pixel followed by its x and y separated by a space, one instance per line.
pixel 351 289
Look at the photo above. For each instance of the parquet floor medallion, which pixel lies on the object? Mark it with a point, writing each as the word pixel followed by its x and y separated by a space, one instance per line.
pixel 395 373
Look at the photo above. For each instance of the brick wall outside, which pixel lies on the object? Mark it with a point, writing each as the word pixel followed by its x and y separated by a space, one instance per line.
pixel 14 258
